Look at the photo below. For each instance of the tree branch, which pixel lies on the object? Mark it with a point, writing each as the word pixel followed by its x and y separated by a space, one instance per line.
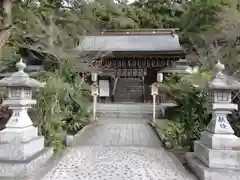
pixel 6 28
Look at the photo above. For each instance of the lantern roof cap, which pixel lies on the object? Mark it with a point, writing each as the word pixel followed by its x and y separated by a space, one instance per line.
pixel 20 78
pixel 153 84
pixel 94 85
pixel 222 81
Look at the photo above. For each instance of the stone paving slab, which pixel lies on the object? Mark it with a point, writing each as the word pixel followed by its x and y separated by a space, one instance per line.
pixel 119 135
pixel 123 121
pixel 117 163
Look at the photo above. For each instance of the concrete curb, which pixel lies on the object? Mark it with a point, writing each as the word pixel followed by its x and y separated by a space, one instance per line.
pixel 181 167
pixel 83 130
pixel 80 133
pixel 176 161
pixel 55 159
pixel 70 139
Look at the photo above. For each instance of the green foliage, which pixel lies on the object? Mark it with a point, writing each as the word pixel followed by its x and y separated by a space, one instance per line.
pixel 63 106
pixel 235 123
pixel 234 118
pixel 174 134
pixel 189 117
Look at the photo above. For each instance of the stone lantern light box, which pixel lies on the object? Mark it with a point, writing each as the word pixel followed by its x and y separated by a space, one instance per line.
pixel 94 76
pixel 95 90
pixel 221 86
pixel 154 89
pixel 159 77
pixel 19 93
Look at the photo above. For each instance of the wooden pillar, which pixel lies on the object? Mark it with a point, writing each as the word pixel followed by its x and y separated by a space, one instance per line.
pixel 144 93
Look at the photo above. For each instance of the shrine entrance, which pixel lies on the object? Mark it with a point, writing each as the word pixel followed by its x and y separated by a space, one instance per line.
pixel 134 58
pixel 135 88
pixel 129 89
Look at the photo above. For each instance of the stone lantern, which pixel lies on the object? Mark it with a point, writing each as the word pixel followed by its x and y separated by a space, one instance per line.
pixel 94 76
pixel 154 93
pixel 159 77
pixel 95 94
pixel 21 149
pixel 216 155
pixel 94 88
pixel 154 89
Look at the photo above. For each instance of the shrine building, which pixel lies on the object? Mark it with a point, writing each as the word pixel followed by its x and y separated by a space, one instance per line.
pixel 127 62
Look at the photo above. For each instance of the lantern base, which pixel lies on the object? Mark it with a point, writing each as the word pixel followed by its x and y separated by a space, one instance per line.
pixel 220 141
pixel 203 172
pixel 8 135
pixel 217 158
pixel 21 151
pixel 25 168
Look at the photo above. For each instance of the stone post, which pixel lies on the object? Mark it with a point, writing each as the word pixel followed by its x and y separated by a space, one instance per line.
pixel 217 154
pixel 154 109
pixel 95 93
pixel 154 93
pixel 21 149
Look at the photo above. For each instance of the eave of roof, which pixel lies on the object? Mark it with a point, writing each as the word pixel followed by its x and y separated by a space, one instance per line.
pixel 166 41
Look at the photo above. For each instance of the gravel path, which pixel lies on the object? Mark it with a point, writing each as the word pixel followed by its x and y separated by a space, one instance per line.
pixel 112 151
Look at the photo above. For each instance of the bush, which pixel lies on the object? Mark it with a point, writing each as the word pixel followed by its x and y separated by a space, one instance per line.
pixel 234 118
pixel 62 106
pixel 173 135
pixel 189 118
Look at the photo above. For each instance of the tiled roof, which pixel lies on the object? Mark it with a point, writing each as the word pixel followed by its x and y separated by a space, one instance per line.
pixel 131 42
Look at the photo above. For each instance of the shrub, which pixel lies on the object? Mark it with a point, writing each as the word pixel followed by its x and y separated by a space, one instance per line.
pixel 189 118
pixel 62 106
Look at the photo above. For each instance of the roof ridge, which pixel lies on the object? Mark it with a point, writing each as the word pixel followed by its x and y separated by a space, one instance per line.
pixel 103 33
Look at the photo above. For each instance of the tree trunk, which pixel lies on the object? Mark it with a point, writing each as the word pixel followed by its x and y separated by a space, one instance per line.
pixel 6 21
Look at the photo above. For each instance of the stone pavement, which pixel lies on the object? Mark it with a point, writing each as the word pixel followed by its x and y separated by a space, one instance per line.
pixel 113 151
pixel 119 135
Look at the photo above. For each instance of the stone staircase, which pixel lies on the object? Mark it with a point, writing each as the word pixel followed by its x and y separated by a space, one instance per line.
pixel 129 90
pixel 127 111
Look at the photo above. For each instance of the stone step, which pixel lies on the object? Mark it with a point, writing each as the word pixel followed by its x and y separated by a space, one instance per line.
pixel 129 90
pixel 135 89
pixel 127 111
pixel 117 113
pixel 126 114
pixel 125 106
pixel 129 93
pixel 106 120
pixel 124 110
pixel 126 117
